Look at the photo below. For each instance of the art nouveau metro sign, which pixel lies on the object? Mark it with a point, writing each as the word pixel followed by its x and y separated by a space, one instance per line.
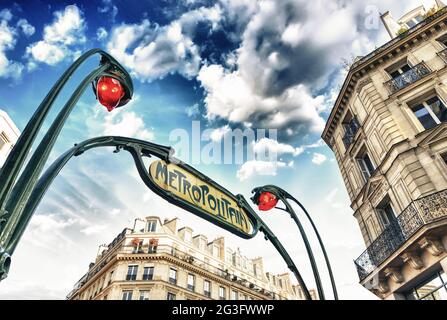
pixel 185 187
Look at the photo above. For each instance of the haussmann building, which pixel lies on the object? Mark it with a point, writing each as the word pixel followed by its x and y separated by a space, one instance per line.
pixel 388 131
pixel 157 260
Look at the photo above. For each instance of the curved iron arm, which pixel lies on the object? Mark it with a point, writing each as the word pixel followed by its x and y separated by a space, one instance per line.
pixel 25 184
pixel 138 149
pixel 12 197
pixel 269 235
pixel 14 162
pixel 283 196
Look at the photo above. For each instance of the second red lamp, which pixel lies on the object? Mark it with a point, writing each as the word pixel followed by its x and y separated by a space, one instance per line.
pixel 267 201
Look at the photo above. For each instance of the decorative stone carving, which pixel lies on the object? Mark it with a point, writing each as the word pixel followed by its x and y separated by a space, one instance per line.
pixel 363 83
pixel 382 287
pixel 413 259
pixel 434 246
pixel 394 274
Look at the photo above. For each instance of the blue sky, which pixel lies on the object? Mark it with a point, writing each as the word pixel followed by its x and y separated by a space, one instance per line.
pixel 226 63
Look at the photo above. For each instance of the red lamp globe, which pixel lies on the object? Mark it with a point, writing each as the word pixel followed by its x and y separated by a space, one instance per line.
pixel 109 92
pixel 267 201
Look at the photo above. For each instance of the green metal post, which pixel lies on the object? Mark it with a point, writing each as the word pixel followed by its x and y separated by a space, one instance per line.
pixel 283 195
pixel 14 196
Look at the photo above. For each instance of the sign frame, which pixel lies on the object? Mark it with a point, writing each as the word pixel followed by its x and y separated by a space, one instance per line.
pixel 189 206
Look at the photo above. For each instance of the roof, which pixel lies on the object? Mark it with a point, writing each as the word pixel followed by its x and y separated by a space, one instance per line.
pixel 384 53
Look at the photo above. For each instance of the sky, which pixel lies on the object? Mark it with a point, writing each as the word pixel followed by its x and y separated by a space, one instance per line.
pixel 225 64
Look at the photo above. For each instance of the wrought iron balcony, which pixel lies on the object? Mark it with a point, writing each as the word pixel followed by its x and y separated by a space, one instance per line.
pixel 411 76
pixel 419 213
pixel 351 130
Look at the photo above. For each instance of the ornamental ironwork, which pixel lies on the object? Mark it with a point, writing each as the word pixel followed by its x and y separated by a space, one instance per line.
pixel 419 213
pixel 416 73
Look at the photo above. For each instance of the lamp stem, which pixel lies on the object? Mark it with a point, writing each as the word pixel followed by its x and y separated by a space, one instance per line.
pixel 323 249
pixel 16 158
pixel 28 178
pixel 318 283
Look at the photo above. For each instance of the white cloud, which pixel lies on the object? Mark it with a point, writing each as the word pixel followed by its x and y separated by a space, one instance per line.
pixel 159 51
pixel 8 68
pixel 260 168
pixel 127 124
pixel 266 145
pixel 27 29
pixel 294 106
pixel 101 33
pixel 47 52
pixel 219 133
pixel 318 158
pixel 60 38
pixel 93 229
pixel 109 9
pixel 5 14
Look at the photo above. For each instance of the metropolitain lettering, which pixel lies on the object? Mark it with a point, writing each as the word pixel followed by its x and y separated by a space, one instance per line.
pixel 197 192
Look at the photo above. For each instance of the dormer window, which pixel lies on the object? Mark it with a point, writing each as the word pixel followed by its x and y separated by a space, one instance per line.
pixel 430 112
pixel 151 225
pixel 414 21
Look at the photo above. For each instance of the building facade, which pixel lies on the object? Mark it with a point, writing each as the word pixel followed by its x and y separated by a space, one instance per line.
pixel 9 133
pixel 157 261
pixel 388 131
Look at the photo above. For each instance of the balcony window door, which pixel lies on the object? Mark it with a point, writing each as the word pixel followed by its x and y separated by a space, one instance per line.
pixel 386 213
pixel 431 112
pixel 365 165
pixel 399 70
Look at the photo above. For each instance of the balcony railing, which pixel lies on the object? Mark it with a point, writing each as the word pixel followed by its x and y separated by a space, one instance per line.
pixel 416 73
pixel 419 213
pixel 351 130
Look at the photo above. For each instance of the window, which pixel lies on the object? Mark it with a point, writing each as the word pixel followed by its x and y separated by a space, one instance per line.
pixel 397 70
pixel 191 282
pixel 386 212
pixel 151 225
pixel 234 295
pixel 170 296
pixel 110 278
pixel 444 157
pixel 137 247
pixel 132 272
pixel 148 273
pixel 414 21
pixel 173 276
pixel 366 166
pixel 431 112
pixel 351 127
pixel 222 293
pixel 144 294
pixel 207 288
pixel 127 295
pixel 434 288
